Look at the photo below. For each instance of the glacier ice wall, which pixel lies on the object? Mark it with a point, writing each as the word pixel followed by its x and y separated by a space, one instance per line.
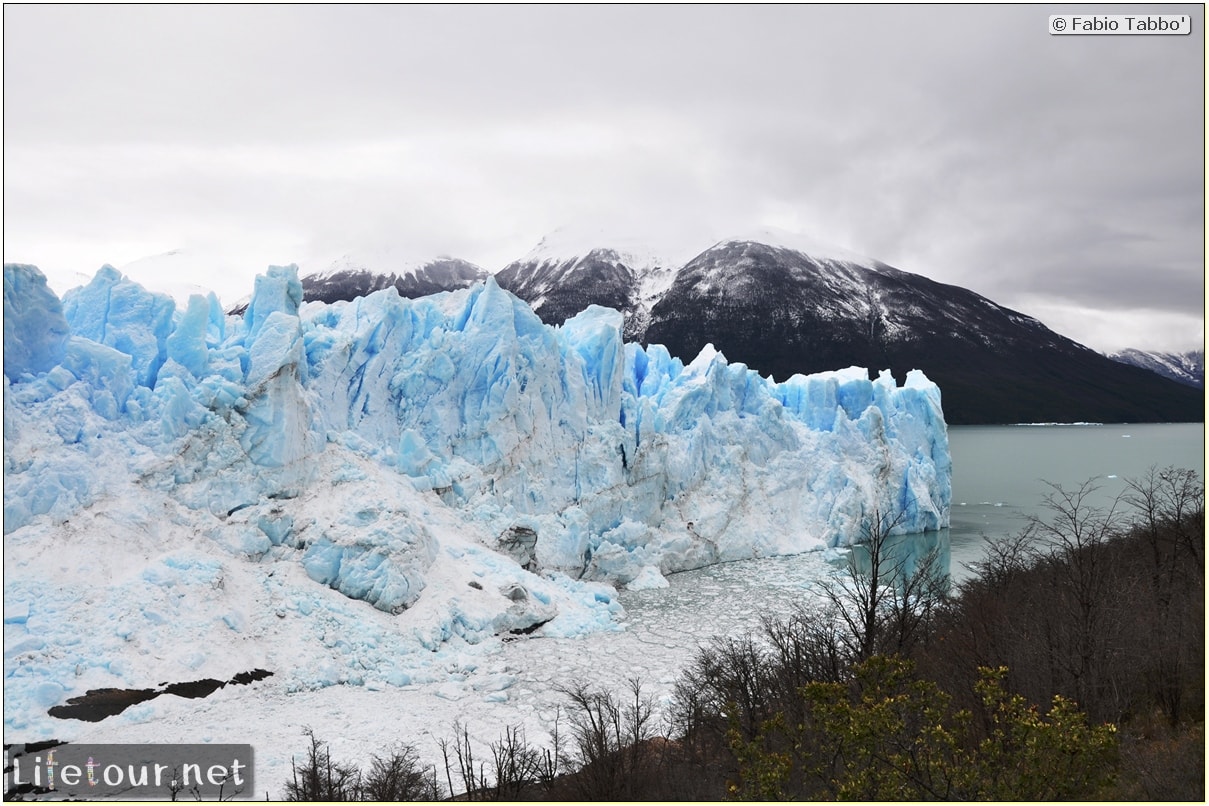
pixel 335 492
pixel 617 457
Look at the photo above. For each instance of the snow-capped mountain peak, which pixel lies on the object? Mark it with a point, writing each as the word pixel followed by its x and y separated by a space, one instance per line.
pixel 362 272
pixel 573 244
pixel 378 260
pixel 572 268
pixel 803 244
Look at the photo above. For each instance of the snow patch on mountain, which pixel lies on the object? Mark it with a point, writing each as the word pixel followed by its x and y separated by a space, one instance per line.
pixel 384 260
pixel 1186 368
pixel 797 242
pixel 574 243
pixel 572 268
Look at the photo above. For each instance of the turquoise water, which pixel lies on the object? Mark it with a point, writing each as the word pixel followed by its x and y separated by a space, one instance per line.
pixel 1000 472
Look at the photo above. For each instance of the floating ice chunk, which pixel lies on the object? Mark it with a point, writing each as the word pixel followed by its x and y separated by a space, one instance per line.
pixel 648 578
pixel 495 682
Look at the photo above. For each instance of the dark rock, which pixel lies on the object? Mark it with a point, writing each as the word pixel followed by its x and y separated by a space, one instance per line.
pixel 520 543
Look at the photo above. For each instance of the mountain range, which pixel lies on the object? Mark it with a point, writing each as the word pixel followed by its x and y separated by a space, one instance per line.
pixel 1186 368
pixel 782 306
pixel 349 277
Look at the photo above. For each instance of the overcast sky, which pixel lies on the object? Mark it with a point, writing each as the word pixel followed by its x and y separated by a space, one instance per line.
pixel 1061 176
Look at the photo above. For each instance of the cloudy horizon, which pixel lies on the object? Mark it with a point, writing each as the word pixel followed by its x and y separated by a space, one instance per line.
pixel 1059 176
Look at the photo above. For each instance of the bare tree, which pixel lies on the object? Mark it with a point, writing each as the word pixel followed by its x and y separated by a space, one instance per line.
pixel 1169 506
pixel 807 648
pixel 552 761
pixel 517 764
pixel 398 776
pixel 882 604
pixel 319 778
pixel 612 737
pixel 473 780
pixel 1083 638
pixel 1005 559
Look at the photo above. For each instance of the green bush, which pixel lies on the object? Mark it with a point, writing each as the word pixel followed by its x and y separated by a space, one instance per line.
pixel 889 735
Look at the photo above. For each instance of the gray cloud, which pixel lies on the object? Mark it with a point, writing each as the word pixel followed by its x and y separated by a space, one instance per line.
pixel 963 143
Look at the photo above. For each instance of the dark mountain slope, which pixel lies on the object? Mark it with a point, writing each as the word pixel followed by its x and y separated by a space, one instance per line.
pixel 349 280
pixel 783 312
pixel 558 288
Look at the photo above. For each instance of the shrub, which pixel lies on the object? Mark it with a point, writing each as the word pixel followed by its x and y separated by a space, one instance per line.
pixel 890 735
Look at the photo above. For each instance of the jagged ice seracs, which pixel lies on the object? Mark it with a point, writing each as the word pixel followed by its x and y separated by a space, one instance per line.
pixel 313 487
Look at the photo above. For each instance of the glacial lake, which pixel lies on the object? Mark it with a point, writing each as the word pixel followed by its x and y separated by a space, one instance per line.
pixel 1000 472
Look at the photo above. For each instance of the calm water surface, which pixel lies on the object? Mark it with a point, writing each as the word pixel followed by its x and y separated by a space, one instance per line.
pixel 1000 472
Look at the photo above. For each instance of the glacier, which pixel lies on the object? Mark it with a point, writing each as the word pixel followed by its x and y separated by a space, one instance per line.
pixel 337 491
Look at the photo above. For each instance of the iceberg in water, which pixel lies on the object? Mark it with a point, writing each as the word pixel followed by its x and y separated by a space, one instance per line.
pixel 385 453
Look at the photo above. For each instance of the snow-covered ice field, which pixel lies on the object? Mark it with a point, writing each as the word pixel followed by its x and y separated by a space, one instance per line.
pixel 484 687
pixel 410 512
